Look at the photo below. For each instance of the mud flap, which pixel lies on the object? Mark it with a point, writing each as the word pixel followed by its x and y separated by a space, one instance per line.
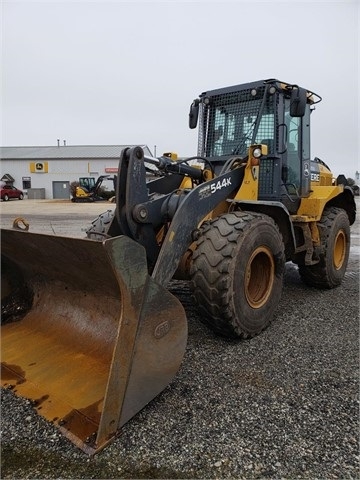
pixel 87 336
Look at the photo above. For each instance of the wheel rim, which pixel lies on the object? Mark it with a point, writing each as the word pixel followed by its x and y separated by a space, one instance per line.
pixel 339 249
pixel 259 277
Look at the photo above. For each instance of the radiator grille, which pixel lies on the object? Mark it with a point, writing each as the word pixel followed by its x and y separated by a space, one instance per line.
pixel 266 177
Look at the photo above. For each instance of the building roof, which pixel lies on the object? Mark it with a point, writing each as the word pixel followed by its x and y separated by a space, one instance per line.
pixel 68 151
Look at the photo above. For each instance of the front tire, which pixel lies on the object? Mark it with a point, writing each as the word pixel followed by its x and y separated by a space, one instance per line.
pixel 334 229
pixel 237 273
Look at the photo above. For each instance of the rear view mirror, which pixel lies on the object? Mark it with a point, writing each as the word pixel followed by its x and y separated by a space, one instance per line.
pixel 298 101
pixel 194 114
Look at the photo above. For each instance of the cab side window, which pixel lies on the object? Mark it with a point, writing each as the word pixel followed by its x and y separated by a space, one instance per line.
pixel 293 125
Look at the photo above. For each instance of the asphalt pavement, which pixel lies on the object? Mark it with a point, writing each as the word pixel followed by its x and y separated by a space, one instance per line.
pixel 57 217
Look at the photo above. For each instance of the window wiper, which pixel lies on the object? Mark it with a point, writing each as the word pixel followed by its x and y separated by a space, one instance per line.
pixel 238 149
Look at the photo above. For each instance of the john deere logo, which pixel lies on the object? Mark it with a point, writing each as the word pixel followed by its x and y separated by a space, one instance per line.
pixel 38 167
pixel 162 329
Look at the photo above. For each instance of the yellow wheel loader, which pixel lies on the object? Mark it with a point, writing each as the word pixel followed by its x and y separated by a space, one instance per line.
pixel 92 353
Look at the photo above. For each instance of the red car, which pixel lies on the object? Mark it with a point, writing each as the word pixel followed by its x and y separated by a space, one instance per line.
pixel 8 191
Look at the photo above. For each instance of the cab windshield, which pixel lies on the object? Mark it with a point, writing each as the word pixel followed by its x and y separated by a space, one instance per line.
pixel 231 123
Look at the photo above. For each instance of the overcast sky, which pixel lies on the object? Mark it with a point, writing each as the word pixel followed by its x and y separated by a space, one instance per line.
pixel 114 72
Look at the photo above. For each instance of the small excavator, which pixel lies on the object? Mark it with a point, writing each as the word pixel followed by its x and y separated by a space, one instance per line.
pixel 87 190
pixel 90 330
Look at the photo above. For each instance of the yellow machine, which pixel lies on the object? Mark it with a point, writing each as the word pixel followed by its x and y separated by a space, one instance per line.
pixel 87 189
pixel 90 332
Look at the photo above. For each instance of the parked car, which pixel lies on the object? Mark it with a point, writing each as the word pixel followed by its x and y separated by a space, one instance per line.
pixel 8 191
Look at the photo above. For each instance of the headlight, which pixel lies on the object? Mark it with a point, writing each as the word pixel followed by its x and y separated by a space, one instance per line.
pixel 257 152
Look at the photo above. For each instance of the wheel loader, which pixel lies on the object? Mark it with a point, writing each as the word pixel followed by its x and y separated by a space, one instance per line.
pixel 92 352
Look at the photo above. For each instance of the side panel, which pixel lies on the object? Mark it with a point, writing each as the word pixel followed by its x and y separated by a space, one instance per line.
pixel 314 204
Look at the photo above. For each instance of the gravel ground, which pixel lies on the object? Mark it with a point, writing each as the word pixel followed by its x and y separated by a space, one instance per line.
pixel 282 405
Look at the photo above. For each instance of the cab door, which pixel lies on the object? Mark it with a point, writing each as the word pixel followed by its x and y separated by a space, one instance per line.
pixel 297 154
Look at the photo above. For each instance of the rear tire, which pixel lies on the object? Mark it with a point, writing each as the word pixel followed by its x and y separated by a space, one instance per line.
pixel 237 273
pixel 6 198
pixel 334 229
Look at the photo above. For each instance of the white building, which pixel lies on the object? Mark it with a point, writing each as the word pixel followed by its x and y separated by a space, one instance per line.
pixel 47 172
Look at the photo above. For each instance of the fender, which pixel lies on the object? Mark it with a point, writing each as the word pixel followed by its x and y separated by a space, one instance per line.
pixel 279 213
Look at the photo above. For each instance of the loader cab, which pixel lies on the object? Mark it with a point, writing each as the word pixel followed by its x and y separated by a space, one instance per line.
pixel 266 112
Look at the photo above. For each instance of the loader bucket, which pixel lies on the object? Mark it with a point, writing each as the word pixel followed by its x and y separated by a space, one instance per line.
pixel 87 335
